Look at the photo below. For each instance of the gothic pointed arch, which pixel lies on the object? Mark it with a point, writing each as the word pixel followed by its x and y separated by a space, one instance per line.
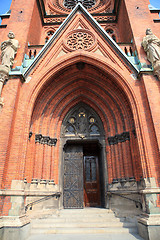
pixel 83 122
pixel 83 91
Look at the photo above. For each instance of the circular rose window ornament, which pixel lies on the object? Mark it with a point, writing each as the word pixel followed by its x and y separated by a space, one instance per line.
pixel 79 40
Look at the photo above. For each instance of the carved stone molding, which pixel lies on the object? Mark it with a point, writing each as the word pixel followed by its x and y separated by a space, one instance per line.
pixel 105 18
pixel 126 184
pixel 70 4
pixel 52 142
pixel 82 122
pixel 54 20
pixel 65 7
pixel 79 39
pixel 38 138
pixel 118 138
pixel 45 140
pixel 59 20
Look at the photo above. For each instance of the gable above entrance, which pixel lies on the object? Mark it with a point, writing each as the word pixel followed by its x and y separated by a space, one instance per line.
pixel 79 34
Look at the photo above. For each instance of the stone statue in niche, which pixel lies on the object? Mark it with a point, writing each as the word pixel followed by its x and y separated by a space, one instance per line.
pixel 151 46
pixel 9 50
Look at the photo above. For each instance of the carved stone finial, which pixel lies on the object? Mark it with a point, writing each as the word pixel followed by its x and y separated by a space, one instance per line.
pixel 151 46
pixel 9 50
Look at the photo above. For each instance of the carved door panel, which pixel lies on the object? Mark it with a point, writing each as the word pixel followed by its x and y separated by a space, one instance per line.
pixel 91 182
pixel 73 177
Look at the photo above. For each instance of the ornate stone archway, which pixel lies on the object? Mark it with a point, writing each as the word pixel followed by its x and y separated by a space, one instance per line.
pixel 83 162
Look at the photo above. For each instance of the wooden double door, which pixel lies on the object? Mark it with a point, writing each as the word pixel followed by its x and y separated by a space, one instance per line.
pixel 81 187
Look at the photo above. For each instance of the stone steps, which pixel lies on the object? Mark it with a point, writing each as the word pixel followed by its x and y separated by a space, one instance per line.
pixel 75 220
pixel 81 221
pixel 82 230
pixel 82 225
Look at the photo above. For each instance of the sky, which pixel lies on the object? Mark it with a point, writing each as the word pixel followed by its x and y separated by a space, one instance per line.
pixel 5 5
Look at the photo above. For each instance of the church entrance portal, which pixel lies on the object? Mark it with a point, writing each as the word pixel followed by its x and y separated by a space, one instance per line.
pixel 83 159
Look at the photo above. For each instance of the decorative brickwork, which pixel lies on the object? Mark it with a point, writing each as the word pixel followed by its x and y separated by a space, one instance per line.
pixel 79 65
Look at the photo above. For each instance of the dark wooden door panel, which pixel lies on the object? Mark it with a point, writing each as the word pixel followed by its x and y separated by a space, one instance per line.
pixel 91 181
pixel 73 177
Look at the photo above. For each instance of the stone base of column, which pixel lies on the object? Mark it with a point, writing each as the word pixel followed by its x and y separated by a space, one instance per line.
pixel 14 227
pixel 149 226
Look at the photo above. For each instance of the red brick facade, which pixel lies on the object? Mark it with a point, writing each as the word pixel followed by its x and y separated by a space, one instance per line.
pixel 55 85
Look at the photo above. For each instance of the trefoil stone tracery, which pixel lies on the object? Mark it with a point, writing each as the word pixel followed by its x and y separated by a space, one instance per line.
pixel 82 123
pixel 70 4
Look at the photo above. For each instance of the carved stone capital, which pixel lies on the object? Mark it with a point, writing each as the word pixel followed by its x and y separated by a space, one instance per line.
pixel 119 138
pixel 52 141
pixel 39 138
pixel 44 140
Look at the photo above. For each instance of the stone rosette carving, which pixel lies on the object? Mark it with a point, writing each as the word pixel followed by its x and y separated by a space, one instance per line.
pixel 151 45
pixel 80 39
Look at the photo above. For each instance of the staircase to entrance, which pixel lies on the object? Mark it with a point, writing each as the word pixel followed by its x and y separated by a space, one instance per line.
pixel 82 221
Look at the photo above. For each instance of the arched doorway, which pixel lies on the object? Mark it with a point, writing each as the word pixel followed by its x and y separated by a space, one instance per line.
pixel 101 95
pixel 84 169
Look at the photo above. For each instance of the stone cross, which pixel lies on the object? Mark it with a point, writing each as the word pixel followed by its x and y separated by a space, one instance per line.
pixel 151 46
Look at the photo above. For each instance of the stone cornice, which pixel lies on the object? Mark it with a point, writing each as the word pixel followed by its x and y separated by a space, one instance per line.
pixel 149 219
pixel 27 192
pixel 150 191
